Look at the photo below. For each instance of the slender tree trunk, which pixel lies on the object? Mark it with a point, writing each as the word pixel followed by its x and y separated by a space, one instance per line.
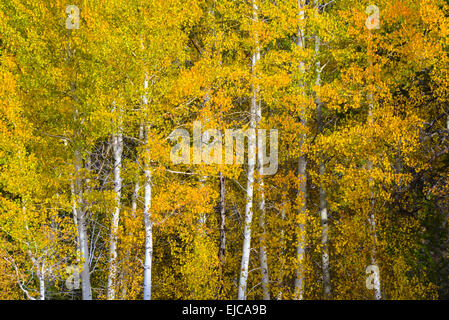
pixel 81 218
pixel 41 277
pixel 75 221
pixel 147 209
pixel 323 203
pixel 41 288
pixel 250 176
pixel 82 234
pixel 147 187
pixel 302 174
pixel 248 209
pixel 117 147
pixel 148 230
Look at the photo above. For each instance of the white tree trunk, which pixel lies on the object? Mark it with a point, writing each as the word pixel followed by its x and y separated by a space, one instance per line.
pixel 41 277
pixel 147 266
pixel 302 175
pixel 148 231
pixel 117 147
pixel 248 208
pixel 85 273
pixel 75 221
pixel 250 178
pixel 82 235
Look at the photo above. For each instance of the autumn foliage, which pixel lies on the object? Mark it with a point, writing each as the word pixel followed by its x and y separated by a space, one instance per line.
pixel 91 205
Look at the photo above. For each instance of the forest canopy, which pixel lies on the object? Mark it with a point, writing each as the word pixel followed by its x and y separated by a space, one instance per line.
pixel 224 149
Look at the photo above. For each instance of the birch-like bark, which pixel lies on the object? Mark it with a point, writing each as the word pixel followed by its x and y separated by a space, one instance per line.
pixel 117 147
pixel 75 221
pixel 250 175
pixel 82 234
pixel 147 210
pixel 41 277
pixel 325 265
pixel 302 172
pixel 147 189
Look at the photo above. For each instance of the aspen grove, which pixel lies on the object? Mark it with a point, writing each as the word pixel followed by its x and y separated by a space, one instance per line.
pixel 348 99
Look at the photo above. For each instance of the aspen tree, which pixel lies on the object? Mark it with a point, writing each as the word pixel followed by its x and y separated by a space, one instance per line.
pixel 117 147
pixel 252 157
